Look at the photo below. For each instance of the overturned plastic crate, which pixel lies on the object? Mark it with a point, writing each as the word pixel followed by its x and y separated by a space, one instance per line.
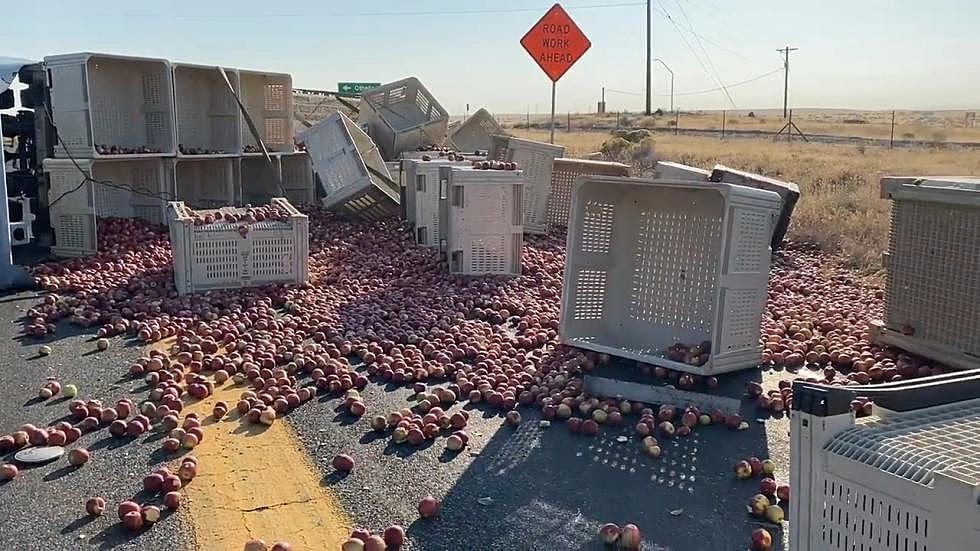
pixel 480 220
pixel 536 159
pixel 353 174
pixel 563 175
pixel 268 99
pixel 124 188
pixel 209 121
pixel 403 116
pixel 108 106
pixel 788 192
pixel 205 183
pixel 289 175
pixel 653 264
pixel 474 133
pixel 226 255
pixel 422 194
pixel 907 477
pixel 932 298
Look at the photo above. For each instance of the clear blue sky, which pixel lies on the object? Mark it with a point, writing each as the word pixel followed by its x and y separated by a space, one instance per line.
pixel 863 54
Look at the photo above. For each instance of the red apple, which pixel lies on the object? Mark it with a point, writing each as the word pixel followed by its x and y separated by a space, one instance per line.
pixel 609 533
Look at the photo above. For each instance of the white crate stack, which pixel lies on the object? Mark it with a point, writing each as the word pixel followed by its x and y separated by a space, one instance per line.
pixel 654 263
pixel 354 176
pixel 474 133
pixel 422 194
pixel 209 121
pixel 403 116
pixel 101 100
pixel 297 178
pixel 268 98
pixel 221 255
pixel 140 188
pixel 563 175
pixel 932 299
pixel 480 220
pixel 205 183
pixel 906 478
pixel 536 159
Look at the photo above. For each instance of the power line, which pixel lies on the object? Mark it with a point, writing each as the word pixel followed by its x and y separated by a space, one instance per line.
pixel 374 14
pixel 695 54
pixel 708 91
pixel 708 57
pixel 692 32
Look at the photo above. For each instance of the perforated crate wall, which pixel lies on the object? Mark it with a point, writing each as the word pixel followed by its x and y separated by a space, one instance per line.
pixel 480 217
pixel 402 116
pixel 133 188
pixel 422 194
pixel 904 480
pixel 205 183
pixel 268 98
pixel 536 159
pixel 217 256
pixel 563 176
pixel 651 263
pixel 474 133
pixel 677 171
pixel 932 298
pixel 111 100
pixel 498 147
pixel 259 179
pixel 351 170
pixel 788 192
pixel 208 116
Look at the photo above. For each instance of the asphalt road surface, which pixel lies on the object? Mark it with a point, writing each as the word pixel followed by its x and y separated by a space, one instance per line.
pixel 525 487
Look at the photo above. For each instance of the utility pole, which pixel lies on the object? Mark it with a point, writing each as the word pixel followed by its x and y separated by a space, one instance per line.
pixel 786 51
pixel 649 55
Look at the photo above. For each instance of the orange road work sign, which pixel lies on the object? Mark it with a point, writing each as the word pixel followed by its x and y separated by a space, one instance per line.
pixel 555 42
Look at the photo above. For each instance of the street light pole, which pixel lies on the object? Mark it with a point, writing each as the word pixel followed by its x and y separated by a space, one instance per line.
pixel 671 82
pixel 649 50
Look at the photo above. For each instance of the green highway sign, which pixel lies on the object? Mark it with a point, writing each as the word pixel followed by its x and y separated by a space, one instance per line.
pixel 356 88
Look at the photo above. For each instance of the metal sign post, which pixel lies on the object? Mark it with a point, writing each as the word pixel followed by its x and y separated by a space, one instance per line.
pixel 556 43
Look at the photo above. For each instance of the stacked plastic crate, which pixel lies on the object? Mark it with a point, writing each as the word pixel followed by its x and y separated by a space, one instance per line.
pixel 422 196
pixel 474 134
pixel 480 219
pixel 115 122
pixel 135 133
pixel 536 159
pixel 668 272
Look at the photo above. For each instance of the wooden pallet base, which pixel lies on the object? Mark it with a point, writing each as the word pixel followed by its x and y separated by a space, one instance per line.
pixel 948 356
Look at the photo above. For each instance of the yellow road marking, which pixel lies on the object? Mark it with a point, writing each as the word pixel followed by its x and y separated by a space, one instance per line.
pixel 257 482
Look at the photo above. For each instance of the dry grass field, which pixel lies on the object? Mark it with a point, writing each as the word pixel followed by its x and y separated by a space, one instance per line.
pixel 933 127
pixel 840 208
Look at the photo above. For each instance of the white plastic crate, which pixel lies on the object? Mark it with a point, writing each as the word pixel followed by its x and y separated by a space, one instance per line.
pixel 111 100
pixel 261 180
pixel 422 197
pixel 209 121
pixel 205 183
pixel 402 116
pixel 474 133
pixel 932 298
pixel 268 99
pixel 480 218
pixel 536 159
pixel 218 256
pixel 677 171
pixel 905 478
pixel 297 178
pixel 788 192
pixel 354 176
pixel 498 147
pixel 137 188
pixel 653 263
pixel 563 175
